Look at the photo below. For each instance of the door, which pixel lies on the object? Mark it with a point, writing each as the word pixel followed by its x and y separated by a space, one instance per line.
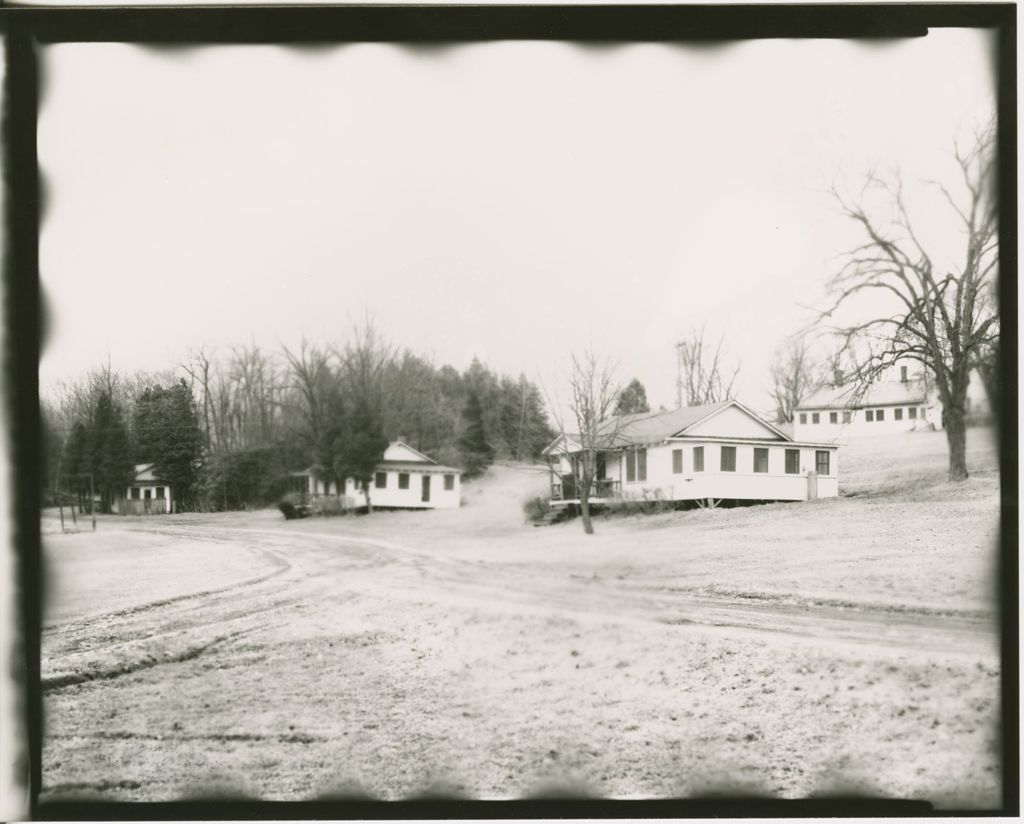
pixel 425 497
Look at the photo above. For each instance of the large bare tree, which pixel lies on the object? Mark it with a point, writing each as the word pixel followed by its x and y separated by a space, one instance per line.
pixel 935 314
pixel 702 375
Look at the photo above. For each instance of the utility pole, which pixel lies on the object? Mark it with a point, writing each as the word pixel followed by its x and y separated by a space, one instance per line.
pixel 679 374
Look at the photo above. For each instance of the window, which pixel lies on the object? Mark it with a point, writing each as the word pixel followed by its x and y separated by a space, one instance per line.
pixel 833 417
pixel 160 493
pixel 698 459
pixel 449 483
pixel 135 493
pixel 821 462
pixel 922 412
pixel 912 411
pixel 869 415
pixel 636 465
pixel 760 459
pixel 803 417
pixel 847 416
pixel 677 461
pixel 815 417
pixel 880 415
pixel 898 414
pixel 380 480
pixel 403 480
pixel 728 463
pixel 792 461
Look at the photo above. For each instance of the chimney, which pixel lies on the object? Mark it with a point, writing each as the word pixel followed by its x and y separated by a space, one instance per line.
pixel 837 377
pixel 903 374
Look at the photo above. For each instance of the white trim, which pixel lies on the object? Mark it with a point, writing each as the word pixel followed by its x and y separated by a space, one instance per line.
pixel 754 441
pixel 742 408
pixel 403 443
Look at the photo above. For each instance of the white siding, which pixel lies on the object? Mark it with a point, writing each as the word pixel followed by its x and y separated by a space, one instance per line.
pixel 859 425
pixel 731 422
pixel 743 484
pixel 411 498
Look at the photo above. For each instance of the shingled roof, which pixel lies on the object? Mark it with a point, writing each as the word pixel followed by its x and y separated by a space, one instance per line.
pixel 654 427
pixel 890 393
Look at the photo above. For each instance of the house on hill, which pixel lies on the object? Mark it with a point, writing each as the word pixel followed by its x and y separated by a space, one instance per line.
pixel 147 494
pixel 710 454
pixel 905 404
pixel 403 479
pixel 834 412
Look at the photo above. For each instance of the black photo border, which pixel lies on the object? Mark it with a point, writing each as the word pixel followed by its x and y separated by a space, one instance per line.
pixel 24 28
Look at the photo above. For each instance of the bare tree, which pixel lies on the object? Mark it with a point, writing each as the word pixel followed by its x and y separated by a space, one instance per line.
pixel 793 378
pixel 936 315
pixel 702 376
pixel 593 394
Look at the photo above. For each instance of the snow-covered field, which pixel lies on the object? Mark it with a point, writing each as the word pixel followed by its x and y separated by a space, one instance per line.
pixel 789 649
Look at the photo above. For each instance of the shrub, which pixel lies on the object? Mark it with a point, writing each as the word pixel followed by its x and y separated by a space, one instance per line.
pixel 536 507
pixel 327 506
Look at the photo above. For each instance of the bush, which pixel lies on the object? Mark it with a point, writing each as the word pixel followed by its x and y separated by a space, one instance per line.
pixel 536 507
pixel 327 506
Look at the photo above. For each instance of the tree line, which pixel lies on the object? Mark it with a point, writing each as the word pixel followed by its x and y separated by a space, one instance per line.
pixel 226 429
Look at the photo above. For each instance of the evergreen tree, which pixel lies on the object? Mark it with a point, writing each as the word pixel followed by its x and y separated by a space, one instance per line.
pixel 168 435
pixel 474 447
pixel 75 464
pixel 632 399
pixel 108 450
pixel 363 448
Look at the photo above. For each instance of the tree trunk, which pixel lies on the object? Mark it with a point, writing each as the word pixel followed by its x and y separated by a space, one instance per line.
pixel 588 527
pixel 366 494
pixel 956 437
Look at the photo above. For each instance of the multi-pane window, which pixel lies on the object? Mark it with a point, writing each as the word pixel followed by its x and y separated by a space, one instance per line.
pixel 677 461
pixel 636 465
pixel 792 461
pixel 449 482
pixel 880 415
pixel 869 415
pixel 803 417
pixel 912 411
pixel 821 462
pixel 380 480
pixel 847 417
pixel 833 417
pixel 760 459
pixel 898 414
pixel 815 417
pixel 728 463
pixel 403 480
pixel 698 459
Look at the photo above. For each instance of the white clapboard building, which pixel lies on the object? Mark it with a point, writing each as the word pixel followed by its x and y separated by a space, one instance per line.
pixel 713 454
pixel 403 479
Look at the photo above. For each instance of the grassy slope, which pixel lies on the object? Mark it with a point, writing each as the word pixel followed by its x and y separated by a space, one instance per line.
pixel 412 675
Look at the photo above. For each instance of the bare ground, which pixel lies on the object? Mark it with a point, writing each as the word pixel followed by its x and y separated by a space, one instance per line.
pixel 786 649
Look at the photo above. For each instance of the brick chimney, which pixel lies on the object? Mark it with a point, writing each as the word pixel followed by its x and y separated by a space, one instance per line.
pixel 903 374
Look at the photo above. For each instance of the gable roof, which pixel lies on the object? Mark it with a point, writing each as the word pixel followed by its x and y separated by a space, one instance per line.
pixel 877 394
pixel 654 427
pixel 400 446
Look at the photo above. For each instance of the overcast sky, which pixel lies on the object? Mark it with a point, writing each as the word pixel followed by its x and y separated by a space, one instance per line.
pixel 512 200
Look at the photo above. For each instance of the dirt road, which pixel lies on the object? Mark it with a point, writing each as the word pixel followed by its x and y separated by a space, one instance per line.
pixel 341 663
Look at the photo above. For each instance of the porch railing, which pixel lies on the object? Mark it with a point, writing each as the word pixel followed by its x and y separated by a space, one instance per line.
pixel 566 489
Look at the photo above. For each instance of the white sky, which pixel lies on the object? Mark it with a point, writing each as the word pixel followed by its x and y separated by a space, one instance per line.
pixel 510 200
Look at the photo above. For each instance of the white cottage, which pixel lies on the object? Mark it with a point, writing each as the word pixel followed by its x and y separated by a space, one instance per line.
pixel 404 479
pixel 713 454
pixel 147 494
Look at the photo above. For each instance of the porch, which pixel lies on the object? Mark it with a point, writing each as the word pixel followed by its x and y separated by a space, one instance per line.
pixel 564 490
